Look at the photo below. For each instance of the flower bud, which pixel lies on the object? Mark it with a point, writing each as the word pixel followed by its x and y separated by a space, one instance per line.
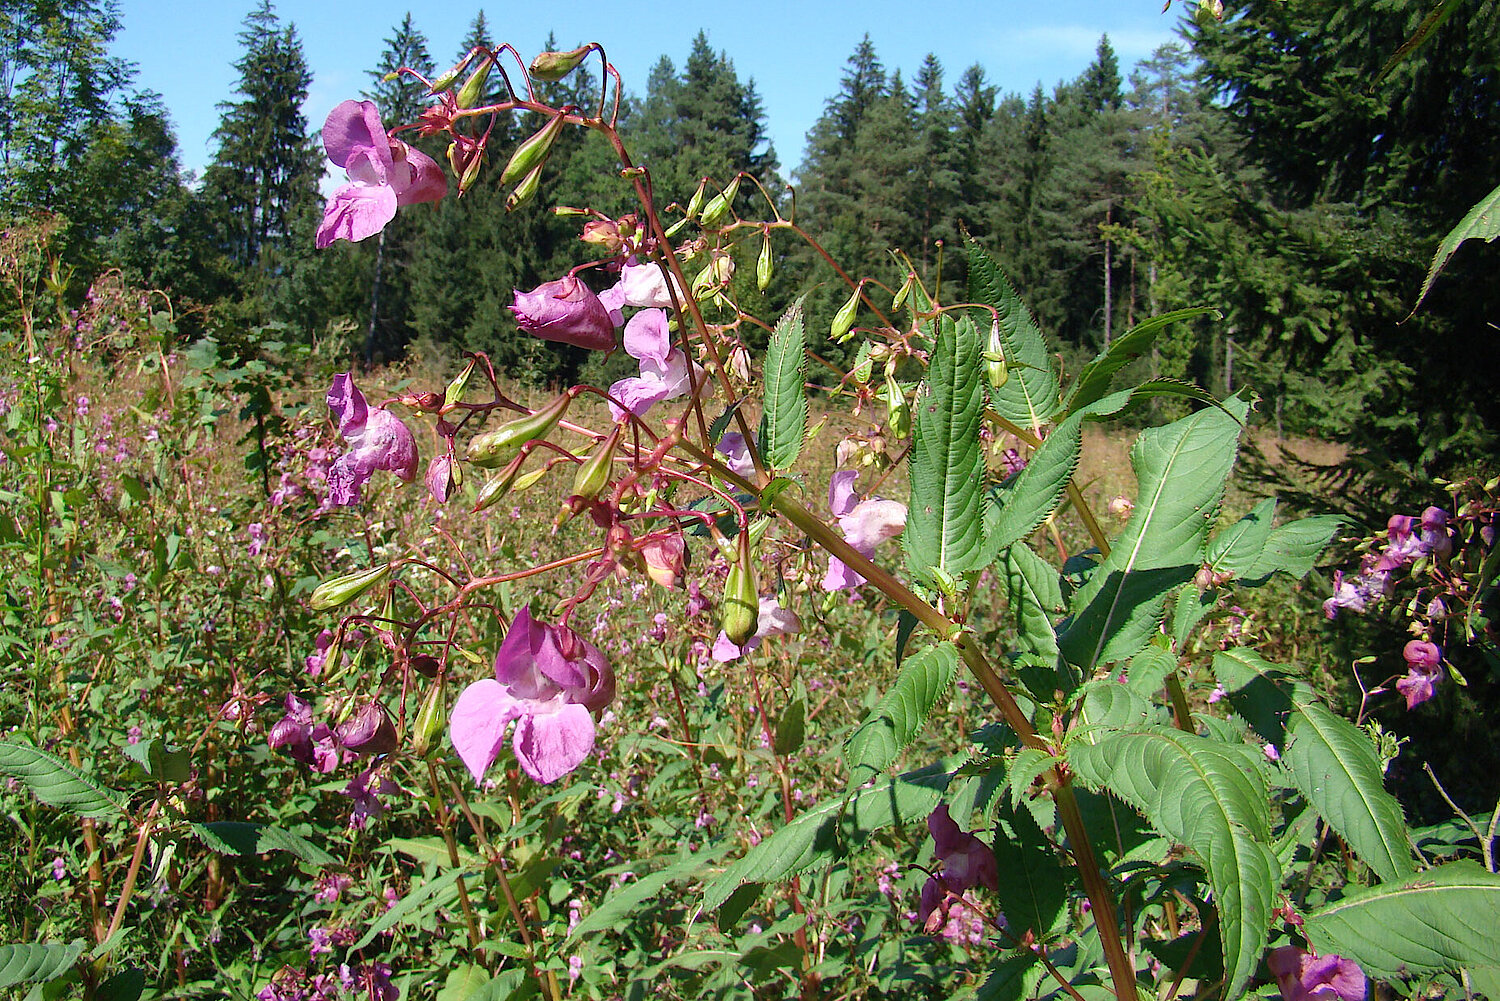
pixel 718 207
pixel 843 320
pixel 526 190
pixel 469 94
pixel 499 446
pixel 449 78
pixel 431 719
pixel 532 153
pixel 666 559
pixel 550 67
pixel 345 588
pixel 368 730
pixel 739 613
pixel 995 367
pixel 465 160
pixel 605 233
pixel 443 477
pixel 696 202
pixel 763 264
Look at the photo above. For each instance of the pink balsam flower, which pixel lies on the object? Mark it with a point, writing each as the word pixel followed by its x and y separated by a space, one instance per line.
pixel 967 862
pixel 865 524
pixel 384 173
pixel 1424 669
pixel 549 682
pixel 1305 976
pixel 377 440
pixel 646 285
pixel 568 311
pixel 664 369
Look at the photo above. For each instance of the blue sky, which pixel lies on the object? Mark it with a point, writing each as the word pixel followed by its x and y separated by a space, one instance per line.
pixel 184 49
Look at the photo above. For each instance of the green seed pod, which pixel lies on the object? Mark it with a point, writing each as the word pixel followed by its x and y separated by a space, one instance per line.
pixel 739 612
pixel 428 725
pixel 593 476
pixel 449 78
pixel 551 67
pixel 496 488
pixel 468 94
pixel 495 448
pixel 345 588
pixel 718 208
pixel 532 153
pixel 763 264
pixel 843 320
pixel 903 292
pixel 995 367
pixel 454 394
pixel 898 412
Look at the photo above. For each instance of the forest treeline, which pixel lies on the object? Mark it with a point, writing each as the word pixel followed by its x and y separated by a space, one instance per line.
pixel 1263 166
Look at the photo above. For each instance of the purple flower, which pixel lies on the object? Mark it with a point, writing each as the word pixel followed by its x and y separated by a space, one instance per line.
pixel 383 174
pixel 1304 976
pixel 1435 532
pixel 377 440
pixel 328 887
pixel 318 659
pixel 646 285
pixel 373 981
pixel 865 525
pixel 59 868
pixel 967 862
pixel 565 310
pixel 736 454
pixel 664 369
pixel 550 683
pixel 366 797
pixel 1424 669
pixel 308 743
pixel 440 477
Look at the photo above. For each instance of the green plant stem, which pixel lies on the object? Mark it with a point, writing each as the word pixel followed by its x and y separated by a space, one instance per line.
pixel 141 840
pixel 1182 716
pixel 445 822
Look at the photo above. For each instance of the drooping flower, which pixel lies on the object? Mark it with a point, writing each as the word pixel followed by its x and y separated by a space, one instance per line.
pixel 439 478
pixel 966 861
pixel 1435 532
pixel 377 440
pixel 865 525
pixel 1424 669
pixel 645 285
pixel 565 310
pixel 772 620
pixel 365 789
pixel 736 454
pixel 1304 976
pixel 384 173
pixel 664 369
pixel 312 744
pixel 549 682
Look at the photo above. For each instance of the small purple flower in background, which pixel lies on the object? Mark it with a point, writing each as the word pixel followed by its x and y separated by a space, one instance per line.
pixel 1424 669
pixel 383 173
pixel 377 440
pixel 1012 461
pixel 133 735
pixel 966 861
pixel 318 659
pixel 81 408
pixel 575 967
pixel 59 868
pixel 373 980
pixel 325 940
pixel 865 525
pixel 329 886
pixel 549 682
pixel 366 798
pixel 257 533
pixel 1270 751
pixel 664 369
pixel 1304 976
pixel 1435 538
pixel 565 310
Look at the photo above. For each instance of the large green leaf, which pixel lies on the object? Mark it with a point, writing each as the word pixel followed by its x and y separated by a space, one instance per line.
pixel 1236 548
pixel 1180 471
pixel 1293 548
pixel 944 522
pixel 231 837
pixel 824 834
pixel 1034 591
pixel 1098 375
pixel 901 713
pixel 786 392
pixel 34 963
pixel 1013 512
pixel 1481 223
pixel 1441 919
pixel 57 783
pixel 1209 797
pixel 1030 397
pixel 1034 889
pixel 1332 762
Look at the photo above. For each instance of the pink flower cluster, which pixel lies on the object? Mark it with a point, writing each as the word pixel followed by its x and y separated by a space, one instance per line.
pixel 1407 540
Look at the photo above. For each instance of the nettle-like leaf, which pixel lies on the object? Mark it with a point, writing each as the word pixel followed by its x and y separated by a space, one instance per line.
pixel 1211 798
pixel 944 521
pixel 786 392
pixel 56 783
pixel 1030 396
pixel 826 833
pixel 1180 470
pixel 1331 761
pixel 1443 919
pixel 229 837
pixel 1013 512
pixel 901 713
pixel 1097 377
pixel 1481 223
pixel 1034 594
pixel 34 963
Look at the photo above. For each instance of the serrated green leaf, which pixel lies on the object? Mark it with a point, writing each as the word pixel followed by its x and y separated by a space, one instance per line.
pixel 1023 770
pixel 34 963
pixel 465 981
pixel 433 851
pixel 158 763
pixel 944 522
pixel 1441 919
pixel 625 898
pixel 824 834
pixel 1030 397
pixel 1034 593
pixel 1293 548
pixel 232 837
pixel 1180 470
pixel 1258 690
pixel 901 713
pixel 791 729
pixel 1108 703
pixel 1481 223
pixel 786 392
pixel 1203 794
pixel 421 901
pixel 1148 670
pixel 57 783
pixel 1097 376
pixel 1013 512
pixel 1034 891
pixel 1236 548
pixel 1334 764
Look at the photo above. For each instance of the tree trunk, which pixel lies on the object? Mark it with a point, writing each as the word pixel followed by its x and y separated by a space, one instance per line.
pixel 1108 291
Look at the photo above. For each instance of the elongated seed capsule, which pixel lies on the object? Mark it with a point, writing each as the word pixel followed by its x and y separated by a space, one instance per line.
pixel 996 368
pixel 763 264
pixel 551 67
pixel 696 202
pixel 454 394
pixel 341 590
pixel 495 448
pixel 526 190
pixel 468 94
pixel 449 78
pixel 593 475
pixel 898 412
pixel 532 153
pixel 843 320
pixel 739 612
pixel 717 209
pixel 430 719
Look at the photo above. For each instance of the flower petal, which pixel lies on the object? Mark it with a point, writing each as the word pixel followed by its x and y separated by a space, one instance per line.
pixel 477 725
pixel 354 127
pixel 647 337
pixel 356 212
pixel 428 182
pixel 550 745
